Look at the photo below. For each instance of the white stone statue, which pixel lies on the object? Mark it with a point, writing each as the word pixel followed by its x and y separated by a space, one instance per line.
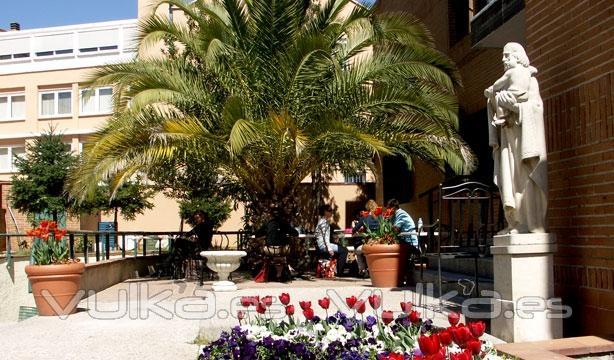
pixel 516 135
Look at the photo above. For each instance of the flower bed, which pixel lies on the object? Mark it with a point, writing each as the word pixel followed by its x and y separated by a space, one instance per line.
pixel 355 336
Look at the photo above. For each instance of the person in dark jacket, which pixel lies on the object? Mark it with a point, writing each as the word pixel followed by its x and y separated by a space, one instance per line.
pixel 202 232
pixel 277 232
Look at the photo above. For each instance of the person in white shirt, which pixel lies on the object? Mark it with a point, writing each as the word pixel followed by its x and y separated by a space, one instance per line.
pixel 325 246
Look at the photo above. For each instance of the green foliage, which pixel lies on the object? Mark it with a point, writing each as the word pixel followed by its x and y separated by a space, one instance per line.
pixel 196 186
pixel 50 251
pixel 49 246
pixel 216 210
pixel 130 199
pixel 263 94
pixel 38 187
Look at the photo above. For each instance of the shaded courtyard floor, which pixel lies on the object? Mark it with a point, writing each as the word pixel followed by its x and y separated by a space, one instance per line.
pixel 165 319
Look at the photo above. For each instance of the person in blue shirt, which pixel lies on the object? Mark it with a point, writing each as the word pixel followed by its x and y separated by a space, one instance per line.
pixel 403 222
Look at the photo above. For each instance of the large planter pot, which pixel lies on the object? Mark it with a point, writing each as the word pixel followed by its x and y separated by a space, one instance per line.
pixel 386 263
pixel 56 287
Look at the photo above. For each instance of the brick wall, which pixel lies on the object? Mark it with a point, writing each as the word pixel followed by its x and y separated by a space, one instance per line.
pixel 571 44
pixel 430 12
pixel 488 61
pixel 21 219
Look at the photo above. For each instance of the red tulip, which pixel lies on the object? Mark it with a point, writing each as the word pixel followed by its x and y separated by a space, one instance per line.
pixel 308 313
pixel 59 234
pixel 389 212
pixel 453 318
pixel 406 307
pixel 260 308
pixel 351 301
pixel 361 306
pixel 267 301
pixel 284 298
pixel 387 317
pixel 429 345
pixel 44 223
pixel 445 337
pixel 290 310
pixel 477 328
pixel 240 315
pixel 375 301
pixel 364 213
pixel 441 355
pixel 414 317
pixel 392 356
pixel 378 211
pixel 465 355
pixel 305 305
pixel 324 303
pixel 460 335
pixel 475 346
pixel 255 300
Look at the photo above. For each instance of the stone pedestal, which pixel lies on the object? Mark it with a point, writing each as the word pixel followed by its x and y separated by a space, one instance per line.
pixel 223 263
pixel 524 288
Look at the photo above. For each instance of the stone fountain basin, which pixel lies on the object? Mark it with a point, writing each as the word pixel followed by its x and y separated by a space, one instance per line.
pixel 223 262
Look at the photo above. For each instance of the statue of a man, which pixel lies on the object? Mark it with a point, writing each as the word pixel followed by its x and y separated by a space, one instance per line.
pixel 516 135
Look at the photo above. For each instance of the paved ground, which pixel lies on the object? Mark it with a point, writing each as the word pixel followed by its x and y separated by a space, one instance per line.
pixel 160 319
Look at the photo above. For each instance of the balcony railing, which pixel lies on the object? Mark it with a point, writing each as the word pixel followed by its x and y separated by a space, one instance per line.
pixel 492 16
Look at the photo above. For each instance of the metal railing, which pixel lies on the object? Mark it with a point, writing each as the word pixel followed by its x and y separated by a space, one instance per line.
pixel 105 245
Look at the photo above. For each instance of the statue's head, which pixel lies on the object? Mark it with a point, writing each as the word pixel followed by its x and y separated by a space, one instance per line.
pixel 513 54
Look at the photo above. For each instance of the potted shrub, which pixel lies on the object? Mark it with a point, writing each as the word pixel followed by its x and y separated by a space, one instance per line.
pixel 386 256
pixel 55 278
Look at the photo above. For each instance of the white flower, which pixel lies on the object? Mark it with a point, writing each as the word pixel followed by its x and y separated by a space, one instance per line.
pixel 318 327
pixel 341 330
pixel 332 335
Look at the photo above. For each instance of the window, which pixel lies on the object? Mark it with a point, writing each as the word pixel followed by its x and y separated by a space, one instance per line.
pixel 355 178
pixel 8 156
pixel 99 102
pixel 51 45
pixel 12 107
pixel 55 103
pixel 98 40
pixel 16 48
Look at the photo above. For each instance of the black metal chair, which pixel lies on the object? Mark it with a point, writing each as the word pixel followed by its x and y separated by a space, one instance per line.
pixel 464 227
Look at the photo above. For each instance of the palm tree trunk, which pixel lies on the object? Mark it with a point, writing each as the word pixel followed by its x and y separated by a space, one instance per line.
pixel 115 220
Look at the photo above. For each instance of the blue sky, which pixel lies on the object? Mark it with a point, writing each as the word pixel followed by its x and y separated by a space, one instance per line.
pixel 33 14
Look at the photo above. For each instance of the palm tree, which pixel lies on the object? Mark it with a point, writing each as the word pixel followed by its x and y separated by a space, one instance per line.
pixel 270 91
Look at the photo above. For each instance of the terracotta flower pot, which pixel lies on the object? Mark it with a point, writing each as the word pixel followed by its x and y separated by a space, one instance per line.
pixel 386 263
pixel 56 287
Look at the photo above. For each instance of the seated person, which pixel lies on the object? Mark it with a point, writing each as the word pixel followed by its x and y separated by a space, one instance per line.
pixel 324 245
pixel 404 223
pixel 277 232
pixel 202 232
pixel 370 222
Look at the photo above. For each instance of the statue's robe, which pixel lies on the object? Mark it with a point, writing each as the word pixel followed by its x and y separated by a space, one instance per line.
pixel 520 171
